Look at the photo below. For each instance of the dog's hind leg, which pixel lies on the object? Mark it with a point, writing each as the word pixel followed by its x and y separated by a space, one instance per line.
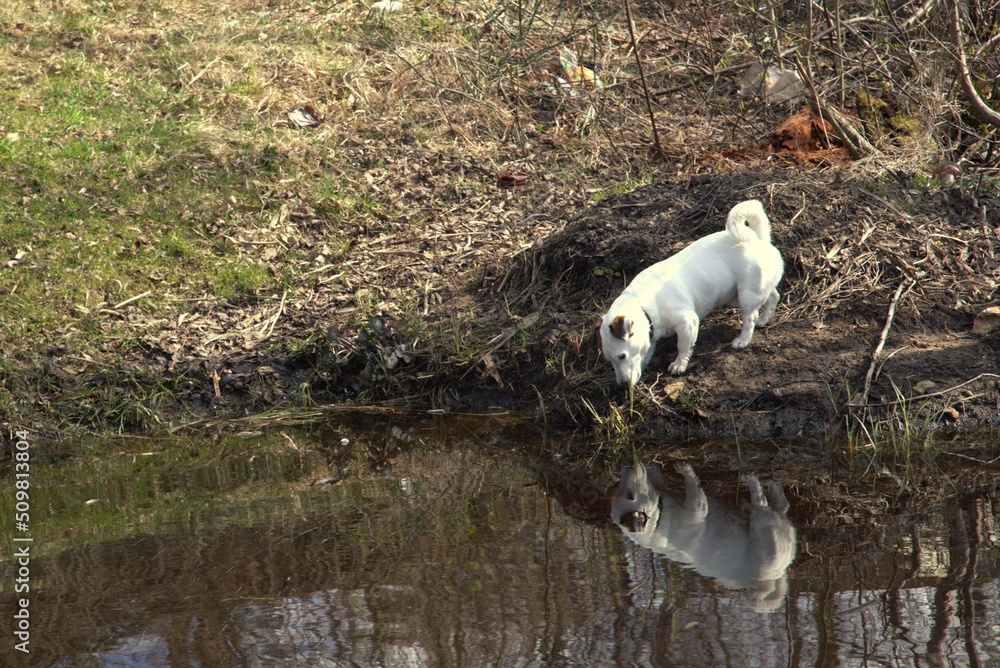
pixel 769 306
pixel 687 336
pixel 778 501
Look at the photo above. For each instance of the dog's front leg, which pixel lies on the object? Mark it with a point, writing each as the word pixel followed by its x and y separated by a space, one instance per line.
pixel 695 500
pixel 749 323
pixel 757 497
pixel 687 336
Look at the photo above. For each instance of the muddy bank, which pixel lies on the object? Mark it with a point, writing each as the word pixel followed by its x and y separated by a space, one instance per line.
pixel 508 328
pixel 852 250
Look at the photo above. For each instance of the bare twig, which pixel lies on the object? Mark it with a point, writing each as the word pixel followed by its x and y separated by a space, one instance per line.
pixel 130 300
pixel 642 76
pixel 920 13
pixel 902 32
pixel 774 32
pixel 804 75
pixel 929 395
pixel 881 340
pixel 200 74
pixel 979 106
pixel 809 32
pixel 974 459
pixel 276 316
pixel 784 53
pixel 837 58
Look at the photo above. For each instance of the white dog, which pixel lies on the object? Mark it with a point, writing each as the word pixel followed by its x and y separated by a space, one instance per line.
pixel 752 552
pixel 735 267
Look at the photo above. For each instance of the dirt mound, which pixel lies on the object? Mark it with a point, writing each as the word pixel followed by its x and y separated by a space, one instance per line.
pixel 852 250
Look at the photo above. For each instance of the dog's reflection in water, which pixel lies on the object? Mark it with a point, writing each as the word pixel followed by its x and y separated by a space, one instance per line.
pixel 751 549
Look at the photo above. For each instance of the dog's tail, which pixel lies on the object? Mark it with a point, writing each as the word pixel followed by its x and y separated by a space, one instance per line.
pixel 748 222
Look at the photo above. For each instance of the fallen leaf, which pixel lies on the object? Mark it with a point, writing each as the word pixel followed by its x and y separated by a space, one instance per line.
pixel 528 320
pixel 950 414
pixel 303 118
pixel 673 390
pixel 512 179
pixel 386 6
pixel 697 412
pixel 491 368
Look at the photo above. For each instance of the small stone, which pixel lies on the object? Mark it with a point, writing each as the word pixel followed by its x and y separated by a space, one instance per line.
pixel 924 386
pixel 673 390
pixel 987 320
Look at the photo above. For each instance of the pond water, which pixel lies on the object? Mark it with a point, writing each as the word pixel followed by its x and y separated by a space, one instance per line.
pixel 479 542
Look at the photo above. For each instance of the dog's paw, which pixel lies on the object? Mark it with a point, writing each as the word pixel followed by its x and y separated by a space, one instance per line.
pixel 739 343
pixel 757 497
pixel 685 470
pixel 677 367
pixel 776 496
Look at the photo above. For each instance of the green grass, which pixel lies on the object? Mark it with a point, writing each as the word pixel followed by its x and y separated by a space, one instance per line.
pixel 115 160
pixel 108 187
pixel 899 434
pixel 126 132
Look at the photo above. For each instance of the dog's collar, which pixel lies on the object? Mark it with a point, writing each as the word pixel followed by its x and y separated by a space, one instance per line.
pixel 650 324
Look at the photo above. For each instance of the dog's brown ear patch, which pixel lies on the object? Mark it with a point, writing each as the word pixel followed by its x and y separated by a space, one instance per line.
pixel 634 521
pixel 621 327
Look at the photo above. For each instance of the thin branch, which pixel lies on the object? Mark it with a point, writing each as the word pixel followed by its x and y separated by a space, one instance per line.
pixel 918 15
pixel 979 106
pixel 784 53
pixel 642 76
pixel 929 395
pixel 881 340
